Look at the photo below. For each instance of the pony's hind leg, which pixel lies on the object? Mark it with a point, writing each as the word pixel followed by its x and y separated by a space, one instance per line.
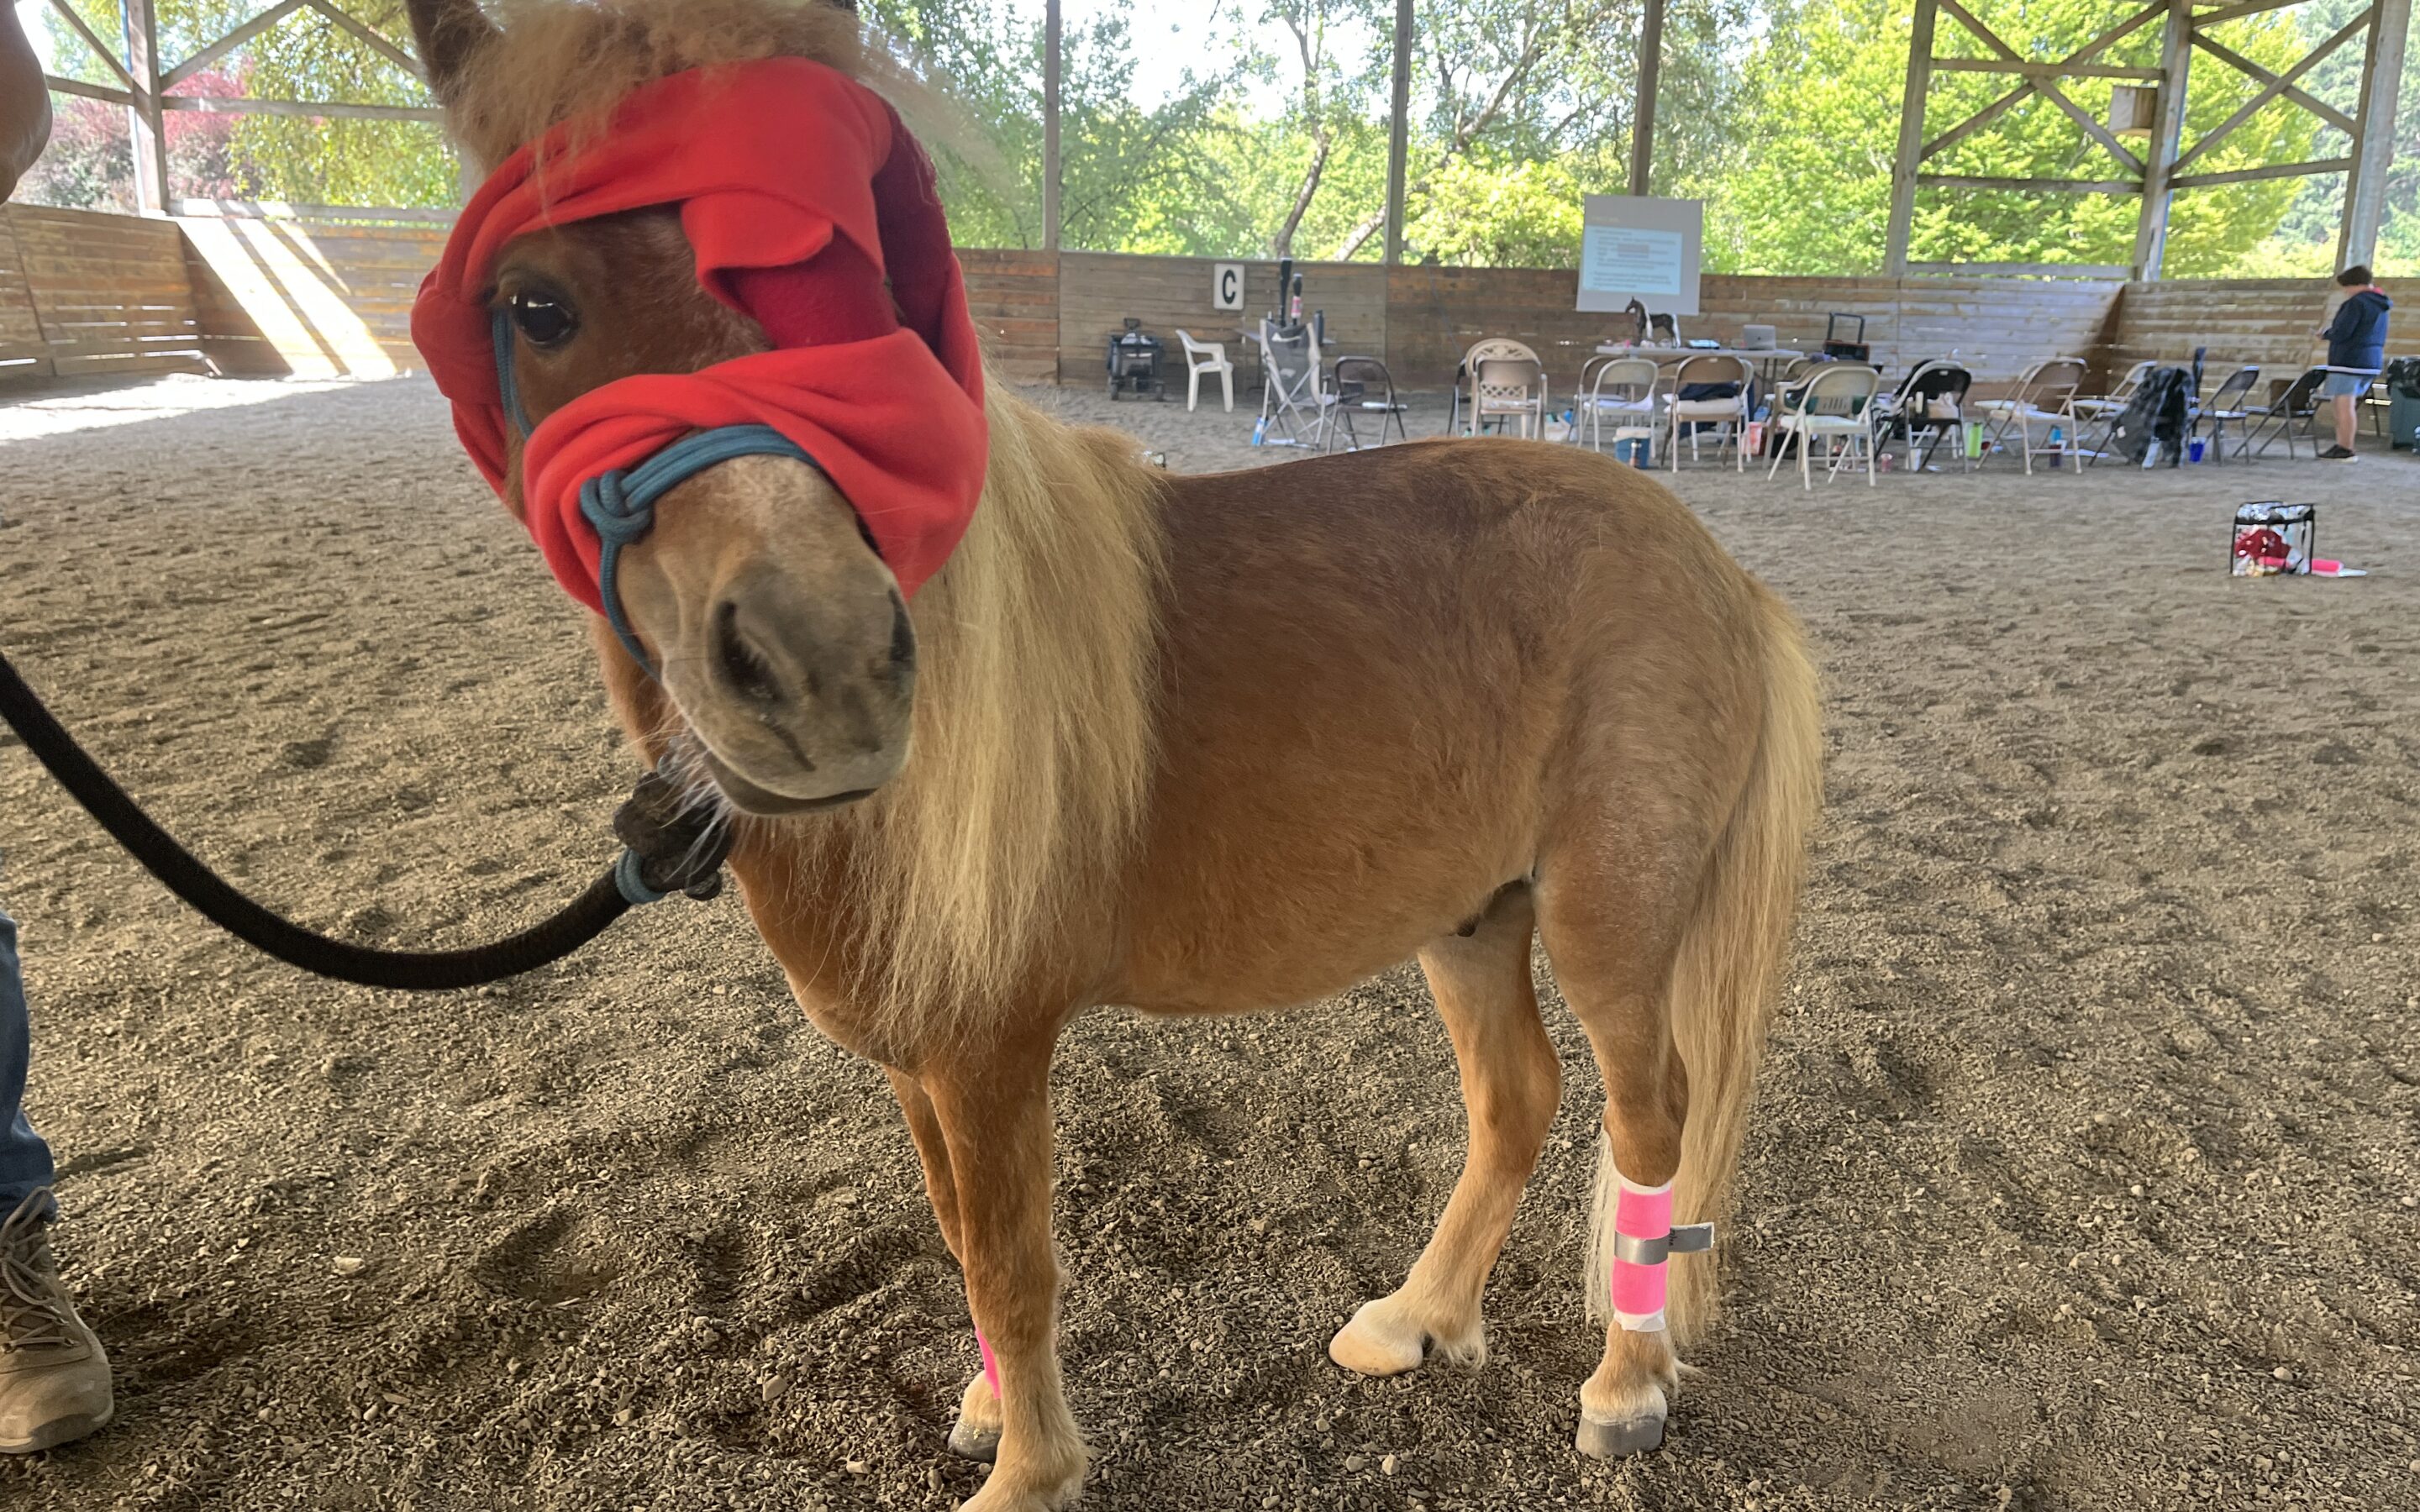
pixel 1612 926
pixel 1510 1084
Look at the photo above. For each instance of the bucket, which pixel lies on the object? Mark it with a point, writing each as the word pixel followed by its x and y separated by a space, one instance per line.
pixel 2193 453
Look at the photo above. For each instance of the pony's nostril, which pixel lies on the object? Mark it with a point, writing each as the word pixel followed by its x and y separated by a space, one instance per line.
pixel 903 636
pixel 742 670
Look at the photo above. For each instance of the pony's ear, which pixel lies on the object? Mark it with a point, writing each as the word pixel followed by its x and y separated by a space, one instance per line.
pixel 449 33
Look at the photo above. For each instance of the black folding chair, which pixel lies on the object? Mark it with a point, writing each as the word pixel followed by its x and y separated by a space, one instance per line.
pixel 2227 404
pixel 1929 406
pixel 1364 387
pixel 2299 404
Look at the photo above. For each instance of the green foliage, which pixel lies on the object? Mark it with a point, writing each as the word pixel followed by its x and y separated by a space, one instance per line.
pixel 1809 191
pixel 1481 212
pixel 305 159
pixel 1781 114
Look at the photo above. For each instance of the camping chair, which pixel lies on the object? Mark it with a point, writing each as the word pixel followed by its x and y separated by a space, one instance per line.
pixel 1503 388
pixel 1290 399
pixel 1727 413
pixel 2225 403
pixel 1364 387
pixel 1836 406
pixel 2045 396
pixel 1624 389
pixel 1466 372
pixel 1929 406
pixel 2298 404
pixel 1207 357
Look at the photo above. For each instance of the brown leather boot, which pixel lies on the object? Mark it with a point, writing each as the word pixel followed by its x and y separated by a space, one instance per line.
pixel 53 1377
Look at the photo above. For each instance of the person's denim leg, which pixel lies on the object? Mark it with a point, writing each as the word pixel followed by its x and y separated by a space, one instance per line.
pixel 24 1159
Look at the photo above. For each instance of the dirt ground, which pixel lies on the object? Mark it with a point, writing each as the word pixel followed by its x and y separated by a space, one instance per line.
pixel 2086 1173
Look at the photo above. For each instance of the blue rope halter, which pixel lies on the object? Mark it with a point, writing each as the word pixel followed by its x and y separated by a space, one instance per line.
pixel 621 503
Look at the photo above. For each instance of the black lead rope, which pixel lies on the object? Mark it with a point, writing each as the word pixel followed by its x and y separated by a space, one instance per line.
pixel 672 847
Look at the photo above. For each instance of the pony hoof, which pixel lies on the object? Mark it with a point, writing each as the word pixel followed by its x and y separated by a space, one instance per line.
pixel 1379 1341
pixel 1615 1441
pixel 974 1443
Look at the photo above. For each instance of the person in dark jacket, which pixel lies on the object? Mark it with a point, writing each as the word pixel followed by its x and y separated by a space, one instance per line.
pixel 2357 340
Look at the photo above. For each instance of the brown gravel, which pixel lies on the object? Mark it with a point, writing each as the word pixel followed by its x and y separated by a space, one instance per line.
pixel 2086 1174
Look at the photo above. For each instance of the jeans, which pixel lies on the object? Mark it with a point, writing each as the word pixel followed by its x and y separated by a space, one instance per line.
pixel 24 1159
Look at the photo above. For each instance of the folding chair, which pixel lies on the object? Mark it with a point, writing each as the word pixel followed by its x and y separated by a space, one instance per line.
pixel 1465 374
pixel 2225 404
pixel 1364 387
pixel 1292 400
pixel 1728 414
pixel 2045 396
pixel 1837 406
pixel 2300 402
pixel 2109 405
pixel 1618 388
pixel 1930 404
pixel 1207 357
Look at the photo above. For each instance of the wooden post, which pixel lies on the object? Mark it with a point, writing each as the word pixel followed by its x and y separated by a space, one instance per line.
pixel 2168 134
pixel 1642 120
pixel 1910 142
pixel 1051 32
pixel 149 135
pixel 2373 141
pixel 1399 133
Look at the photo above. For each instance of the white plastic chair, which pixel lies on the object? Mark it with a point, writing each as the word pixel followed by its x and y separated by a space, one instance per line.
pixel 1621 388
pixel 1731 414
pixel 1837 406
pixel 2045 396
pixel 1505 388
pixel 1466 380
pixel 1207 357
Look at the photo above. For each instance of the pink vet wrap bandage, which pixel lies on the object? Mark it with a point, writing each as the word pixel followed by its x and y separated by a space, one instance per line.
pixel 991 1368
pixel 1640 1213
pixel 1643 1238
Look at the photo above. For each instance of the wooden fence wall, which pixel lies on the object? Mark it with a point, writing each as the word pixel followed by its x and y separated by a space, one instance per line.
pixel 2266 321
pixel 84 293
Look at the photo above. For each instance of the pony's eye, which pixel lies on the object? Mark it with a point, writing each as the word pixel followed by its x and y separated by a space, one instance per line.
pixel 545 322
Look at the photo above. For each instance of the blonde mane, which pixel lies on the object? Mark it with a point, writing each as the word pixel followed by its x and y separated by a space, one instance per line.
pixel 1033 740
pixel 568 60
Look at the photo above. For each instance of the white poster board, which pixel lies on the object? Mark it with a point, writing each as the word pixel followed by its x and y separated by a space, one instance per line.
pixel 1227 286
pixel 1635 248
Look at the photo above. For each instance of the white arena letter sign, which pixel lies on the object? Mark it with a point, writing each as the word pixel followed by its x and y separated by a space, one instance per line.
pixel 1227 287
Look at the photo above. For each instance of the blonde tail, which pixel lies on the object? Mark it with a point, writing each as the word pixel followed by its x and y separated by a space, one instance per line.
pixel 1728 972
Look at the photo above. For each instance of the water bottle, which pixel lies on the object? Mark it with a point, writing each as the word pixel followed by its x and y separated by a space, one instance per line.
pixel 1260 429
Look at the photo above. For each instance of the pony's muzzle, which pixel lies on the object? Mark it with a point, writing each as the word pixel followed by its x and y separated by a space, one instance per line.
pixel 785 642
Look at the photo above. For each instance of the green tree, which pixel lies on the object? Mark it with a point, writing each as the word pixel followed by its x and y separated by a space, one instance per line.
pixel 1808 190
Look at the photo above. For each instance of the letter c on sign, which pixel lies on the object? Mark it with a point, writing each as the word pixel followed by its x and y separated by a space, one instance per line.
pixel 1227 287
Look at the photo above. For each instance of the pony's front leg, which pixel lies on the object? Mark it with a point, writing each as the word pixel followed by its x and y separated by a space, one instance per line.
pixel 993 1112
pixel 976 1433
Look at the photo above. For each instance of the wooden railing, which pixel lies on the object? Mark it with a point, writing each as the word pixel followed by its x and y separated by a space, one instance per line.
pixel 85 295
